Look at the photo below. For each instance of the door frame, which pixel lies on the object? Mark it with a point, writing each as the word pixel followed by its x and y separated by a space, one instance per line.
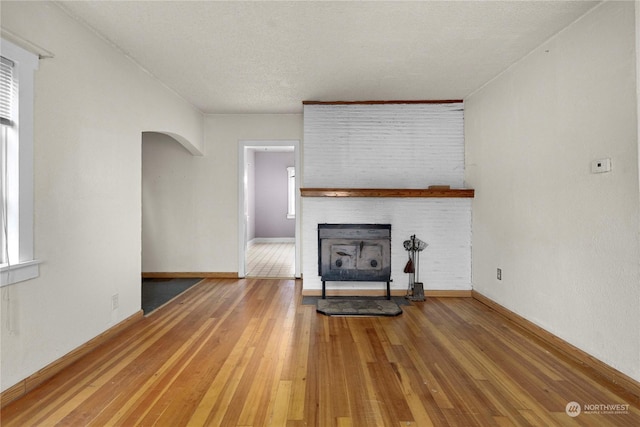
pixel 243 146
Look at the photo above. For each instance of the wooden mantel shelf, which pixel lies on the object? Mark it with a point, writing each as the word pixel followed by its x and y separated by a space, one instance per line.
pixel 388 192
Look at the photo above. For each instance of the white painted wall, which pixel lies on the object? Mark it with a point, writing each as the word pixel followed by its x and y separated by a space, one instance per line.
pixel 174 213
pixel 250 169
pixel 637 6
pixel 91 107
pixel 390 146
pixel 566 240
pixel 271 195
pixel 191 223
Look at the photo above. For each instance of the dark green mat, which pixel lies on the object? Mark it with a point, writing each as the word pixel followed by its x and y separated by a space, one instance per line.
pixel 157 292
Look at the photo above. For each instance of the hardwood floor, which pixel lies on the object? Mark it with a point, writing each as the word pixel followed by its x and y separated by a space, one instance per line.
pixel 247 353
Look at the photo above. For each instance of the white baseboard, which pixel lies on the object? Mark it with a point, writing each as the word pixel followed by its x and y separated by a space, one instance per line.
pixel 272 240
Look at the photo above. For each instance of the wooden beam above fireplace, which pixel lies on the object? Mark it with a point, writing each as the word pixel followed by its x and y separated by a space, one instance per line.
pixel 371 102
pixel 388 192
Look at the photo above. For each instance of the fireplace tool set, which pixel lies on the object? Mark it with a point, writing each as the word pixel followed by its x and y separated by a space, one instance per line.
pixel 414 246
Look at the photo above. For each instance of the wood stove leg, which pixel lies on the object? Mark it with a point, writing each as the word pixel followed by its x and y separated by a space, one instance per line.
pixel 324 294
pixel 388 290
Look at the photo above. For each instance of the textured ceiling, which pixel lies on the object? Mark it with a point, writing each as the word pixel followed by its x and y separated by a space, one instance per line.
pixel 268 57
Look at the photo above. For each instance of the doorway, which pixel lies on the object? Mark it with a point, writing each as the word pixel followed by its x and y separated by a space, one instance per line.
pixel 268 206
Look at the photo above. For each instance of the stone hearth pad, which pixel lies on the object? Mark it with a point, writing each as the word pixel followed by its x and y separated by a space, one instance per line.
pixel 358 307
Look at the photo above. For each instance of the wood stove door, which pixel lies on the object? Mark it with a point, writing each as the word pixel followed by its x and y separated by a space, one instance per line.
pixel 348 259
pixel 343 257
pixel 369 257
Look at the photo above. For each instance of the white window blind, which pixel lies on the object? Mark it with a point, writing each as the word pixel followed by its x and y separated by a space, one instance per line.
pixel 7 90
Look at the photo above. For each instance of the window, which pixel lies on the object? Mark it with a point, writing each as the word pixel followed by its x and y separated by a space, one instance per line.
pixel 17 67
pixel 291 199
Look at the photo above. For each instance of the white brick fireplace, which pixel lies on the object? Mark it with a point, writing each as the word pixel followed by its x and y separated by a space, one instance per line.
pixel 389 146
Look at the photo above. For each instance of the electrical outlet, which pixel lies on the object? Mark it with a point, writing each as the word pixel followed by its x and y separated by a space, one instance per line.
pixel 114 302
pixel 499 275
pixel 601 166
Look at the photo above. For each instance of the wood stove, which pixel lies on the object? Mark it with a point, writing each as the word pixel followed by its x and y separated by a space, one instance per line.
pixel 354 252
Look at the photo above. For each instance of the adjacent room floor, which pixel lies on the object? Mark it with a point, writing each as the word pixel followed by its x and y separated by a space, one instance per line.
pixel 271 260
